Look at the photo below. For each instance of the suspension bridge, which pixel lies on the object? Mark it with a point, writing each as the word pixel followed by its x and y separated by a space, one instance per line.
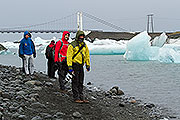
pixel 71 23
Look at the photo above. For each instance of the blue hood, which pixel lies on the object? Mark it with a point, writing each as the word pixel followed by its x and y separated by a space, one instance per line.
pixel 25 33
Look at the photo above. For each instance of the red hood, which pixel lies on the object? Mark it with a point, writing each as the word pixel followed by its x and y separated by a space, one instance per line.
pixel 63 36
pixel 51 45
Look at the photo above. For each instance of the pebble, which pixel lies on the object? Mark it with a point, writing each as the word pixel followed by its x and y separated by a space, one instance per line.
pixel 37 118
pixel 77 115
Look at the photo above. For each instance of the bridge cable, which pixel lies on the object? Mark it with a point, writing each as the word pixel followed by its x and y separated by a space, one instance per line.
pixel 104 22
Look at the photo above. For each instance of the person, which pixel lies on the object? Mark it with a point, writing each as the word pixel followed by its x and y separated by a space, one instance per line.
pixel 60 59
pixel 77 55
pixel 50 56
pixel 27 51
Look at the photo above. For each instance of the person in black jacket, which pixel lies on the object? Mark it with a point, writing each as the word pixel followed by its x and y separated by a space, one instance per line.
pixel 50 56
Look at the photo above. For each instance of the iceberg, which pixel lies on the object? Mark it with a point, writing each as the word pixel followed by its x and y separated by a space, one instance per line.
pixel 160 40
pixel 6 52
pixel 139 48
pixel 107 47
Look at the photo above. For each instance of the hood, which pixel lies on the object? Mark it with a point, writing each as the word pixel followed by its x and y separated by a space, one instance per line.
pixel 52 43
pixel 25 33
pixel 78 34
pixel 64 33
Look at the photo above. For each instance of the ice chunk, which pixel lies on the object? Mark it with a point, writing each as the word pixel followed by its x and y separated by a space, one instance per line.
pixel 160 40
pixel 138 48
pixel 168 55
pixel 107 47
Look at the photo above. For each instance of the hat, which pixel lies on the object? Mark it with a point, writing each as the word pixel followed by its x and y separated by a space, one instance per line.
pixel 52 41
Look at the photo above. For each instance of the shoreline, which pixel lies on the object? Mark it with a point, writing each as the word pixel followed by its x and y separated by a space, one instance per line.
pixel 37 97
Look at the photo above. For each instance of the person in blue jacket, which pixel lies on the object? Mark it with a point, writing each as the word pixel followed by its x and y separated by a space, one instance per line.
pixel 27 52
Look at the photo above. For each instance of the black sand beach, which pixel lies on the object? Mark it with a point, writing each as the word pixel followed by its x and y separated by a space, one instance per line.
pixel 37 97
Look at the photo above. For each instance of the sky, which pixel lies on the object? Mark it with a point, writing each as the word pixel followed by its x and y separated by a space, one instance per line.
pixel 128 14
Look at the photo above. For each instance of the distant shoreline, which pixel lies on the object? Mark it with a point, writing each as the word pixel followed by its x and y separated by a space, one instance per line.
pixel 125 35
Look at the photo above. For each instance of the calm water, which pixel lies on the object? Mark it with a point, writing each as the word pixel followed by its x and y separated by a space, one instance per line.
pixel 150 81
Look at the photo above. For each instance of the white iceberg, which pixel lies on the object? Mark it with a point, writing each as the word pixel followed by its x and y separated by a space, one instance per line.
pixel 107 47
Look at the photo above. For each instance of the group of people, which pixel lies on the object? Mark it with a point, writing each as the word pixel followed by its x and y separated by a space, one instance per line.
pixel 62 56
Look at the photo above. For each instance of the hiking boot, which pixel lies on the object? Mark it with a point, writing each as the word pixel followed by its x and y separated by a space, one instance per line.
pixel 78 101
pixel 85 101
pixel 63 91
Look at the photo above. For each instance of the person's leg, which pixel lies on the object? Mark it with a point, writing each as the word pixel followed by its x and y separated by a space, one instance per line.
pixel 52 69
pixel 49 66
pixel 23 69
pixel 75 82
pixel 80 84
pixel 31 64
pixel 26 64
pixel 62 76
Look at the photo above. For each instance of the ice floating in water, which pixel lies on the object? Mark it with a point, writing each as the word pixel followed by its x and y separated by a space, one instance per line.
pixel 6 52
pixel 160 40
pixel 107 47
pixel 139 48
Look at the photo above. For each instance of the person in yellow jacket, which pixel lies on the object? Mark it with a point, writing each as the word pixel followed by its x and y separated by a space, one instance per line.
pixel 77 56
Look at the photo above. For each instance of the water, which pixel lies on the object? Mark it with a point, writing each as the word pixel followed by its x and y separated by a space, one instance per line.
pixel 150 81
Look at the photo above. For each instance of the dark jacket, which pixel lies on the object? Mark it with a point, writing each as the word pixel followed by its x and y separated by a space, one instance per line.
pixel 49 51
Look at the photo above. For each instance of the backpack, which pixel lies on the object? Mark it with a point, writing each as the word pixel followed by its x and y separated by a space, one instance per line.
pixel 50 52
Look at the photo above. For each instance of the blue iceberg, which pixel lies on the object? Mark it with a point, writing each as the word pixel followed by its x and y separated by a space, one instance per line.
pixel 139 48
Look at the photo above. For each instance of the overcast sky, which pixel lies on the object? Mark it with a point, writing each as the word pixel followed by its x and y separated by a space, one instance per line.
pixel 128 14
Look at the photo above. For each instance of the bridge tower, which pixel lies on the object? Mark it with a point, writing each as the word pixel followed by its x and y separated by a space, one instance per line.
pixel 150 23
pixel 79 21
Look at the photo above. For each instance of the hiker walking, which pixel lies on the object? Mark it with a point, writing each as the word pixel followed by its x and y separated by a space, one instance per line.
pixel 27 52
pixel 60 58
pixel 77 55
pixel 50 56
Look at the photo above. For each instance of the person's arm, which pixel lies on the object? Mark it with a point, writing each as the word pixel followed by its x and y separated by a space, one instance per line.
pixel 69 57
pixel 57 47
pixel 33 49
pixel 21 52
pixel 87 60
pixel 46 53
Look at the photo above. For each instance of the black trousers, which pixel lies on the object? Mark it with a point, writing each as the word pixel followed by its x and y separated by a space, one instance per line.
pixel 51 68
pixel 77 82
pixel 62 72
pixel 23 69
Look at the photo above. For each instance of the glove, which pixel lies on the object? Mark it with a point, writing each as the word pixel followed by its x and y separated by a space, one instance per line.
pixel 34 55
pixel 70 70
pixel 21 56
pixel 88 68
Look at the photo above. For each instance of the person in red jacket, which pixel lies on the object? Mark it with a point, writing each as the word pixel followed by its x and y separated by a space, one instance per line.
pixel 60 58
